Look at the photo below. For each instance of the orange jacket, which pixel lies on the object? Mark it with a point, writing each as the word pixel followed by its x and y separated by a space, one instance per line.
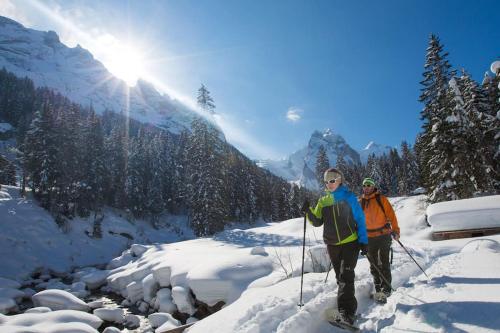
pixel 375 217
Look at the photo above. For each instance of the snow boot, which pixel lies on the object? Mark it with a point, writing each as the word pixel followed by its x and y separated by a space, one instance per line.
pixel 380 297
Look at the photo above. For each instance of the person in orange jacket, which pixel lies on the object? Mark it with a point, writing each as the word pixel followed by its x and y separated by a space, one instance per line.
pixel 381 224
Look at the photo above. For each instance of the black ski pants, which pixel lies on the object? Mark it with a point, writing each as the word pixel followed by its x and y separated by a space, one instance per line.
pixel 379 249
pixel 344 259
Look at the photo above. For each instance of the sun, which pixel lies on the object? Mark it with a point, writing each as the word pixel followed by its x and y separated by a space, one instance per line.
pixel 124 62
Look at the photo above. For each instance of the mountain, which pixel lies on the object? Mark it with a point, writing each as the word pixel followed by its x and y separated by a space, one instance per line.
pixel 75 73
pixel 300 166
pixel 373 148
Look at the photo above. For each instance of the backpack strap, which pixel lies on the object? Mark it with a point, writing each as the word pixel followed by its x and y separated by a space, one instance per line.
pixel 379 201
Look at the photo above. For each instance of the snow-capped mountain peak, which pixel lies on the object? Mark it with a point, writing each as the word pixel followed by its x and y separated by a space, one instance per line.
pixel 373 148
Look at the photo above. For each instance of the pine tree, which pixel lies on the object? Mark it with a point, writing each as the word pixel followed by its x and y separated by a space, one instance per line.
pixel 205 101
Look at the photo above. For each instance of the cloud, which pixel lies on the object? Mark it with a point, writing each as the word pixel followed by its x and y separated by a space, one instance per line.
pixel 294 114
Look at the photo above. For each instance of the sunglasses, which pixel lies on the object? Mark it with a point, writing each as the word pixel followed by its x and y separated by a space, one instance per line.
pixel 366 185
pixel 333 181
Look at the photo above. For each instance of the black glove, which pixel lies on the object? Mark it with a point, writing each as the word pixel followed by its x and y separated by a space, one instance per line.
pixel 364 249
pixel 305 206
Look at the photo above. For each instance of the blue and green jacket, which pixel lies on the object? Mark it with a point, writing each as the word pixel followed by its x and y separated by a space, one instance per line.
pixel 343 219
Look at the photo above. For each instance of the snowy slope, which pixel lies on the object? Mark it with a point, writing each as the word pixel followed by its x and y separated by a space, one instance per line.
pixel 77 75
pixel 30 239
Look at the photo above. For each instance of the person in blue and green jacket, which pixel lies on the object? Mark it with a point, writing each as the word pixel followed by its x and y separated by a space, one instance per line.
pixel 344 233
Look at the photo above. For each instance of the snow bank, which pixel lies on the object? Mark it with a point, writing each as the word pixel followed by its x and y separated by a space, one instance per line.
pixel 59 300
pixel 225 278
pixel 465 214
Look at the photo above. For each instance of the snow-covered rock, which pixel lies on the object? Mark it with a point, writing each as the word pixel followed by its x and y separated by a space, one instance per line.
pixel 95 279
pixel 111 329
pixel 183 300
pixel 51 322
pixel 162 275
pixel 95 304
pixel 166 327
pixel 132 321
pixel 149 287
pixel 38 309
pixel 28 292
pixel 7 305
pixel 259 250
pixel 164 301
pixel 12 293
pixel 143 307
pixel 8 283
pixel 112 315
pixel 120 261
pixel 224 279
pixel 134 291
pixel 59 300
pixel 159 318
pixel 138 249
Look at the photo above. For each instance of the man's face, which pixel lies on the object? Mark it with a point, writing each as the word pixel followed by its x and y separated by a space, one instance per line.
pixel 368 189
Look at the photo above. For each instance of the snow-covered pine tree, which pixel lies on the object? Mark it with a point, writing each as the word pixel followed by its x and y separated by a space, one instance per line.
pixel 205 101
pixel 343 167
pixel 92 197
pixel 480 159
pixel 207 209
pixel 7 171
pixel 436 99
pixel 116 146
pixel 322 164
pixel 159 191
pixel 40 151
pixel 491 87
pixel 374 171
pixel 391 171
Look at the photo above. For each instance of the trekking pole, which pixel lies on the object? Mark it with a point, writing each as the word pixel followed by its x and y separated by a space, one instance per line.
pixel 303 256
pixel 379 272
pixel 328 272
pixel 397 240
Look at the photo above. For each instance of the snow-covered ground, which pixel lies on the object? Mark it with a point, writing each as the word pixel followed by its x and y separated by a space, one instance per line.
pixel 256 273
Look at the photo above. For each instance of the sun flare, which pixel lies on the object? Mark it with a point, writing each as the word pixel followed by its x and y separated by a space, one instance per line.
pixel 124 62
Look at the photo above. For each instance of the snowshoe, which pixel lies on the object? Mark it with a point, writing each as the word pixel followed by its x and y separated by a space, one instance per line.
pixel 341 320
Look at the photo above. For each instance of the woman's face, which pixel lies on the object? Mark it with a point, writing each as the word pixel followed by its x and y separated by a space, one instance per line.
pixel 333 184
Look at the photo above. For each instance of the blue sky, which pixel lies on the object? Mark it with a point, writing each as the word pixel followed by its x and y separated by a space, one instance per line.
pixel 352 66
